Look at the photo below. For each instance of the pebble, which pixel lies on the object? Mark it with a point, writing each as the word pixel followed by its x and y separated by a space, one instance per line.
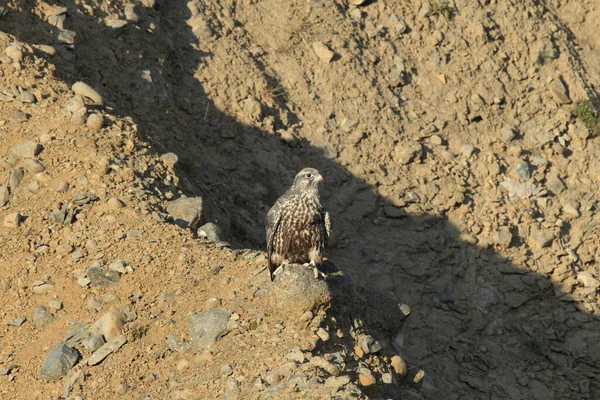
pixel 588 280
pixel 114 203
pixel 323 334
pixel 74 104
pixel 93 343
pixel 55 305
pixel 110 325
pixel 59 362
pixel 508 133
pixel 42 317
pixel 522 170
pixel 83 282
pixel 95 122
pixel 185 210
pixel 366 380
pixel 467 150
pixel 15 178
pixel 129 11
pixel 27 149
pixel 33 166
pixel 169 159
pixel 226 370
pixel 337 382
pixel 325 365
pixel 85 90
pixel 107 349
pixel 43 288
pixel 207 327
pixel 118 266
pixel 436 140
pixel 4 195
pixel 103 278
pixel 541 239
pixel 47 49
pixel 17 321
pixel 369 345
pixel 571 210
pixel 12 220
pixel 211 231
pixel 399 365
pixel 19 115
pixel 183 364
pixel 26 97
pixel 14 52
pixel 559 91
pixel 323 52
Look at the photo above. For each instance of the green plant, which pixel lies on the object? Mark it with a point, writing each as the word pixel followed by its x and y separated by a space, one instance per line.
pixel 137 332
pixel 442 7
pixel 588 115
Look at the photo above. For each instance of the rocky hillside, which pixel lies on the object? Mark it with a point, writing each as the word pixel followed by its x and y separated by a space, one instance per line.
pixel 143 143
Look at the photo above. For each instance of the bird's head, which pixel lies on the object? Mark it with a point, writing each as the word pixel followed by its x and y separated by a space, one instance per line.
pixel 308 178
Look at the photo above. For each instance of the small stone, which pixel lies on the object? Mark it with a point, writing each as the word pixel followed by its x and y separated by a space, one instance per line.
pixel 46 49
pixel 33 166
pixel 571 210
pixel 369 345
pixel 55 305
pixel 15 178
pixel 43 288
pixel 406 155
pixel 211 231
pixel 77 255
pixel 17 321
pixel 95 122
pixel 541 239
pixel 110 325
pixel 323 52
pixel 129 11
pixel 522 170
pixel 12 220
pixel 19 115
pixel 467 150
pixel 503 236
pixel 325 365
pixel 588 280
pixel 107 349
pixel 83 282
pixel 337 382
pixel 436 140
pixel 559 91
pixel 26 97
pixel 42 317
pixel 27 149
pixel 348 124
pixel 508 133
pixel 102 278
pixel 93 343
pixel 185 210
pixel 555 184
pixel 207 327
pixel 323 334
pixel 14 52
pixel 169 159
pixel 226 370
pixel 74 104
pixel 62 187
pixel 85 90
pixel 399 365
pixel 118 266
pixel 183 364
pixel 114 203
pixel 59 362
pixel 366 380
pixel 4 195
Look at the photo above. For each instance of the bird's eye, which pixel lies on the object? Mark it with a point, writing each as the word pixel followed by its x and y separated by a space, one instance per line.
pixel 309 175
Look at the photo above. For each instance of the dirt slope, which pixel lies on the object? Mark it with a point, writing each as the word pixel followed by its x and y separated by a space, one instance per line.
pixel 460 183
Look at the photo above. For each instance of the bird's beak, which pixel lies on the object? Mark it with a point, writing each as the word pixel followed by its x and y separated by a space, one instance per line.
pixel 319 178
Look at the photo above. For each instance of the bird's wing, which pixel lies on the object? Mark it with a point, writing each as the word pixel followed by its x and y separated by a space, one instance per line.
pixel 327 227
pixel 272 223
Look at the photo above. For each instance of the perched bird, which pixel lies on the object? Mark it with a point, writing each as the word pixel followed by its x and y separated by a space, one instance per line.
pixel 298 227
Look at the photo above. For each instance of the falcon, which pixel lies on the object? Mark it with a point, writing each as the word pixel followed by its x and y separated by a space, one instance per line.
pixel 298 227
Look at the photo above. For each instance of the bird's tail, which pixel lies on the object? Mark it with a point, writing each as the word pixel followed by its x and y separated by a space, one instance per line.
pixel 272 268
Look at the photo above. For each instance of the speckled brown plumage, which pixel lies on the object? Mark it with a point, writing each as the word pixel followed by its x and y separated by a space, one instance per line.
pixel 298 227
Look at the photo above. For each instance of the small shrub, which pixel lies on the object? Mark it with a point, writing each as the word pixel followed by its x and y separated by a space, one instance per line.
pixel 588 115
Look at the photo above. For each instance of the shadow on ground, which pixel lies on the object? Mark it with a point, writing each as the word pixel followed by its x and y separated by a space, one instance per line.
pixel 481 327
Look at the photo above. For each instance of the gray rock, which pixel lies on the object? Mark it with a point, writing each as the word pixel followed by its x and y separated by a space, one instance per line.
pixel 59 362
pixel 85 90
pixel 295 290
pixel 15 178
pixel 559 91
pixel 17 321
pixel 509 133
pixel 503 236
pixel 118 266
pixel 4 195
pixel 406 155
pixel 337 382
pixel 107 349
pixel 186 211
pixel 27 149
pixel 208 326
pixel 588 279
pixel 26 97
pixel 325 365
pixel 520 190
pixel 33 166
pixel 555 184
pixel 76 334
pixel 93 342
pixel 522 170
pixel 19 115
pixel 103 278
pixel 211 231
pixel 42 317
pixel 541 239
pixel 369 345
